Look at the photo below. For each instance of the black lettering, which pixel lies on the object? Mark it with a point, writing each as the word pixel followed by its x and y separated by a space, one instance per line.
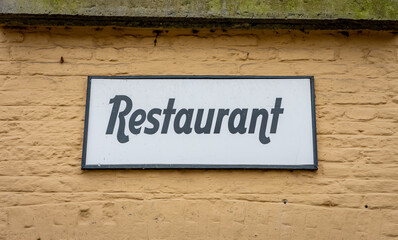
pixel 133 123
pixel 167 115
pixel 186 128
pixel 220 116
pixel 153 121
pixel 207 128
pixel 261 135
pixel 242 120
pixel 184 117
pixel 121 137
pixel 275 114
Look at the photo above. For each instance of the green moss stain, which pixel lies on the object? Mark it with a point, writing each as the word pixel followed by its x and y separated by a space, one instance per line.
pixel 56 6
pixel 214 7
pixel 293 9
pixel 247 8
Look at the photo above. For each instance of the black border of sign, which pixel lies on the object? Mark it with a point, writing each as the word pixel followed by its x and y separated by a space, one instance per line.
pixel 200 166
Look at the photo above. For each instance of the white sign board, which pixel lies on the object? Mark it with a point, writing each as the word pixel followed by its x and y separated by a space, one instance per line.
pixel 200 122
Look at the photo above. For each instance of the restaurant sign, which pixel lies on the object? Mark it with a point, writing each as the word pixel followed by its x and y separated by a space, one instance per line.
pixel 246 122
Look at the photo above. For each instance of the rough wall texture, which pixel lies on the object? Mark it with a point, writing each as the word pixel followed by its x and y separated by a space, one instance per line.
pixel 45 195
pixel 278 9
pixel 230 14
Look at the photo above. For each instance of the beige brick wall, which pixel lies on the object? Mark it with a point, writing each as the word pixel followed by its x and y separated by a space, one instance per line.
pixel 45 195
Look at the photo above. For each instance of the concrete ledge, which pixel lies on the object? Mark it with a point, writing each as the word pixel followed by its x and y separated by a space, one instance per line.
pixel 307 14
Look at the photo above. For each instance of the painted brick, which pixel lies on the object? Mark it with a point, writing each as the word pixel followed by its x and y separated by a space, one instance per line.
pixel 45 195
pixel 306 54
pixel 378 55
pixel 42 54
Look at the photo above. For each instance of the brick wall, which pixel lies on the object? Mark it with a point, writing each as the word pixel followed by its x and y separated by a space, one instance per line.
pixel 45 195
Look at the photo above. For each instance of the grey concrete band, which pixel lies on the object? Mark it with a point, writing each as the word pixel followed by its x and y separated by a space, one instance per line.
pixel 271 14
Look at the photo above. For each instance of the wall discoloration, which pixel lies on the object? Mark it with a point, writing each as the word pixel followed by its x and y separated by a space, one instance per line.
pixel 44 194
pixel 270 14
pixel 274 9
